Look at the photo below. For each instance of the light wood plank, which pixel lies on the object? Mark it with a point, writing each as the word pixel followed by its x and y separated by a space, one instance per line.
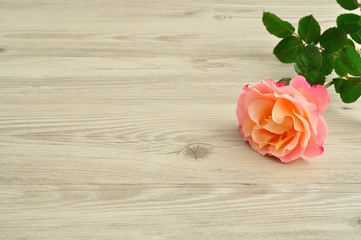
pixel 196 211
pixel 114 148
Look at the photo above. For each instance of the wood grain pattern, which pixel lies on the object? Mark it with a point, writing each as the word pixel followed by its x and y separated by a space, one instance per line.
pixel 117 121
pixel 182 211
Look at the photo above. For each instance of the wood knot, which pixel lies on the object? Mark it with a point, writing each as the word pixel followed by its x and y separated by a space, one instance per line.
pixel 221 17
pixel 355 222
pixel 2 50
pixel 196 151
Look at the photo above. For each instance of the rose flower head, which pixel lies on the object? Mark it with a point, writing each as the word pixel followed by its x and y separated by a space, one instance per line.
pixel 284 121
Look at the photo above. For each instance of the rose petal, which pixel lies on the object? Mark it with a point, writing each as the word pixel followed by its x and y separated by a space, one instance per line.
pixel 246 89
pixel 259 109
pixel 316 94
pixel 267 86
pixel 314 147
pixel 285 146
pixel 241 109
pixel 257 148
pixel 311 114
pixel 247 127
pixel 290 136
pixel 279 128
pixel 306 134
pixel 281 84
pixel 262 137
pixel 322 130
pixel 283 108
pixel 241 131
pixel 295 102
pixel 294 142
pixel 254 94
pixel 293 155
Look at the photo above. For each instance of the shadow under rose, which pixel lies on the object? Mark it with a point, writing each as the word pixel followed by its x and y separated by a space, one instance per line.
pixel 298 161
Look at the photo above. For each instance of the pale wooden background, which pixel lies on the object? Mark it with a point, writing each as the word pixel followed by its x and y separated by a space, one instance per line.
pixel 117 121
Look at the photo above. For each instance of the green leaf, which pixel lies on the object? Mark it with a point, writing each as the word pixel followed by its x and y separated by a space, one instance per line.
pixel 351 61
pixel 309 29
pixel 333 39
pixel 288 49
pixel 337 82
pixel 339 67
pixel 356 36
pixel 287 80
pixel 349 42
pixel 348 4
pixel 309 60
pixel 350 90
pixel 327 63
pixel 315 78
pixel 276 26
pixel 348 22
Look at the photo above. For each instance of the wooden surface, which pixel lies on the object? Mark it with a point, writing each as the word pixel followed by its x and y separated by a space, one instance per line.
pixel 117 121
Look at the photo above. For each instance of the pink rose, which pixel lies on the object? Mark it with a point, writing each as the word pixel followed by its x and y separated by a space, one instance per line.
pixel 283 121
